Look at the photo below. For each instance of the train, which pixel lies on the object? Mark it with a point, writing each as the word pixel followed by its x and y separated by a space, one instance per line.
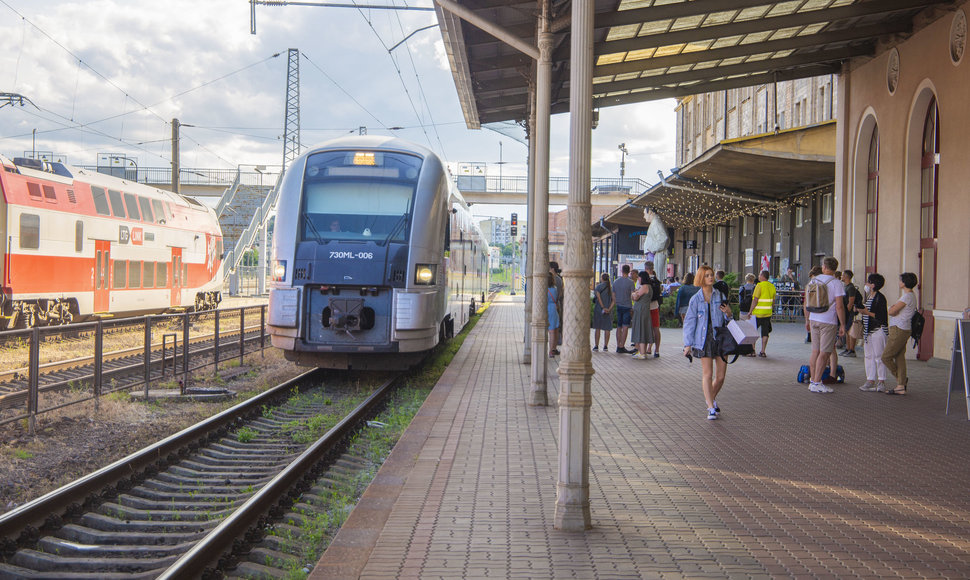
pixel 78 244
pixel 376 257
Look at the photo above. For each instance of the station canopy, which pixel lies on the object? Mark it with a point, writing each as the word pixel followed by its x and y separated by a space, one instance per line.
pixel 754 175
pixel 652 49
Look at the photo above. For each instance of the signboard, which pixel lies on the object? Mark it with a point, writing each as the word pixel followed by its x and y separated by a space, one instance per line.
pixel 960 364
pixel 749 257
pixel 690 244
pixel 636 261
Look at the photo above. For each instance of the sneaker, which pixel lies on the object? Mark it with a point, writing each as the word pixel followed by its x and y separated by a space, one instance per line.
pixel 814 387
pixel 639 356
pixel 656 355
pixel 823 388
pixel 622 350
pixel 868 386
pixel 849 353
pixel 596 349
pixel 881 387
pixel 716 408
pixel 711 414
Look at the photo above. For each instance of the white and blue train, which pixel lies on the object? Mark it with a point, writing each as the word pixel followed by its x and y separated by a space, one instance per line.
pixel 376 257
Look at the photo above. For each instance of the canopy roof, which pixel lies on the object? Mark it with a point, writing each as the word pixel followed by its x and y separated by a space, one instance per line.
pixel 752 175
pixel 652 49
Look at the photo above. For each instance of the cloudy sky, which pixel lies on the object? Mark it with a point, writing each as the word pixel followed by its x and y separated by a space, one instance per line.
pixel 107 76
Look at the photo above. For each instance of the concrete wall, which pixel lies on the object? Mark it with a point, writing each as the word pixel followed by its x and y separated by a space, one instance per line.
pixel 926 71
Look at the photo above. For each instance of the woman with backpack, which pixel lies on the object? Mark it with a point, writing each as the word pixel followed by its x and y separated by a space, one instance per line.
pixel 900 326
pixel 874 332
pixel 707 310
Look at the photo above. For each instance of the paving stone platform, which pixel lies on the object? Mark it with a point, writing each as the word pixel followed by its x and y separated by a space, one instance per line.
pixel 787 483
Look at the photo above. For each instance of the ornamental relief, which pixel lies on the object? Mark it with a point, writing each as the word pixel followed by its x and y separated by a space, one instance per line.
pixel 892 71
pixel 958 36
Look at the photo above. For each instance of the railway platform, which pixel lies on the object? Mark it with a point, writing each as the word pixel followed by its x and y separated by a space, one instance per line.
pixel 786 483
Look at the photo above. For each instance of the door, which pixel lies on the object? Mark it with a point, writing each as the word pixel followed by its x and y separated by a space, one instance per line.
pixel 102 264
pixel 930 170
pixel 176 276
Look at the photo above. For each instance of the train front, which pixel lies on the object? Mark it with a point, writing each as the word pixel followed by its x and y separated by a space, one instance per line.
pixel 357 282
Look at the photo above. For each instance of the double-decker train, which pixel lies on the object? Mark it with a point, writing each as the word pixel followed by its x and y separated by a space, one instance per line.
pixel 78 243
pixel 376 258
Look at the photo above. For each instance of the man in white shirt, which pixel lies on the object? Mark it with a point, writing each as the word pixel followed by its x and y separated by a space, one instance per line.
pixel 825 325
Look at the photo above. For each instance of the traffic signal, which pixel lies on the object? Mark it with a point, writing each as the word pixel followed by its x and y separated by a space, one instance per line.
pixel 514 231
pixel 515 219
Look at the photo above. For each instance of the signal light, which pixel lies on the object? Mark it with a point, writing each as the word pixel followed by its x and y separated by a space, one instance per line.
pixel 514 231
pixel 515 219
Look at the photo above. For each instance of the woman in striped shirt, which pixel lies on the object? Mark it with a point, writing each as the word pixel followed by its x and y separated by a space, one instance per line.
pixel 875 329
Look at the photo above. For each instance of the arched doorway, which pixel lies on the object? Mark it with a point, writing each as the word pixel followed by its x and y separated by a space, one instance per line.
pixel 872 203
pixel 929 179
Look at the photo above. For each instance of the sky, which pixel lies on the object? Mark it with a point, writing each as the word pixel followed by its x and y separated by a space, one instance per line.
pixel 107 76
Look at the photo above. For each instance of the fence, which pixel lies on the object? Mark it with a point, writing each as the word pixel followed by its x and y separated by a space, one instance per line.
pixel 59 366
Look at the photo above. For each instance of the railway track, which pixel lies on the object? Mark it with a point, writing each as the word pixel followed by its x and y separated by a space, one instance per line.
pixel 194 501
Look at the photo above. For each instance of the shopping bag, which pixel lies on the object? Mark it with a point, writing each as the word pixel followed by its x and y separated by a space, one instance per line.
pixel 744 331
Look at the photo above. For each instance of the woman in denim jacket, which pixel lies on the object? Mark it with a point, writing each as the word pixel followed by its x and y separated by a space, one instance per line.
pixel 706 310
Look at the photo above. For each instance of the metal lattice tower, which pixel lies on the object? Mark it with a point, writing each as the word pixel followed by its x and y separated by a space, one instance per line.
pixel 291 123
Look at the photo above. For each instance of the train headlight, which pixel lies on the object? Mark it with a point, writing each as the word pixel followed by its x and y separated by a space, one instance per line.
pixel 279 270
pixel 424 274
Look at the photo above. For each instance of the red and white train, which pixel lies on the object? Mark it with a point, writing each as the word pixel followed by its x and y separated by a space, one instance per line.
pixel 78 243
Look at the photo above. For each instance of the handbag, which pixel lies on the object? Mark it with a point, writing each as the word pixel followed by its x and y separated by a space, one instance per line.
pixel 725 345
pixel 855 331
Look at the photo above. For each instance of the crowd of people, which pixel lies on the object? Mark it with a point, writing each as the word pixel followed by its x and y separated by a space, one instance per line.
pixel 837 315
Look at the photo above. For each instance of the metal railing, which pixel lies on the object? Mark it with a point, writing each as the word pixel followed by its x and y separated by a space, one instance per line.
pixel 557 185
pixel 59 366
pixel 189 175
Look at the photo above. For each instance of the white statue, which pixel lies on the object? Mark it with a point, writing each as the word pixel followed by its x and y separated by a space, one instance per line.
pixel 655 243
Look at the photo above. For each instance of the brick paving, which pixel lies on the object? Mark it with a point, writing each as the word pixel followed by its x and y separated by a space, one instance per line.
pixel 787 483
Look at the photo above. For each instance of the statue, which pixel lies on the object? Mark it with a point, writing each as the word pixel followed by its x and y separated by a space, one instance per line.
pixel 655 243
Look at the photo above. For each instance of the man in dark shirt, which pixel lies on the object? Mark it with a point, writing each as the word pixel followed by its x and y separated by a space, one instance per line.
pixel 721 285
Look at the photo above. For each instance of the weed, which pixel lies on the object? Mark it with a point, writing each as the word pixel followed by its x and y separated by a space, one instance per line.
pixel 22 454
pixel 245 435
pixel 119 396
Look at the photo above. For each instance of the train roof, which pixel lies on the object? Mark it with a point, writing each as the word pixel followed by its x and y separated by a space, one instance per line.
pixel 68 174
pixel 372 142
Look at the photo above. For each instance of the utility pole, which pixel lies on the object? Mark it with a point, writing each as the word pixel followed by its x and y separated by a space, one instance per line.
pixel 623 153
pixel 175 156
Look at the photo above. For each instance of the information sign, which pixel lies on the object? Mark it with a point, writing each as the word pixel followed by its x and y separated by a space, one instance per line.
pixel 960 364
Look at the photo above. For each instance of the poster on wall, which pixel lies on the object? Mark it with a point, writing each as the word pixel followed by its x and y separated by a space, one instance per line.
pixel 749 257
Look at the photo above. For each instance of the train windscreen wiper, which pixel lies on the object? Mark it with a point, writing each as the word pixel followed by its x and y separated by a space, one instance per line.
pixel 313 228
pixel 397 226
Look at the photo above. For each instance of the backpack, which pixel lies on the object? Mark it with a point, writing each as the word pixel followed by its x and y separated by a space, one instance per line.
pixel 656 290
pixel 744 298
pixel 917 322
pixel 817 296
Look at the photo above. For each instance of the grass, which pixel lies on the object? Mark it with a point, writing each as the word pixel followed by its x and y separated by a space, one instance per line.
pixel 245 435
pixel 22 454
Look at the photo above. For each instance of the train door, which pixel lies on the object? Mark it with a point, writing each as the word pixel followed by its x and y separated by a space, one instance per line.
pixel 176 276
pixel 102 259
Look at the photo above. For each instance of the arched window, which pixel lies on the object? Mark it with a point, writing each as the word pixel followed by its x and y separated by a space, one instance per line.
pixel 872 201
pixel 930 167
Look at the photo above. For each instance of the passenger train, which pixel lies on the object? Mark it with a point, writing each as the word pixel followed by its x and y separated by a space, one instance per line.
pixel 376 258
pixel 78 243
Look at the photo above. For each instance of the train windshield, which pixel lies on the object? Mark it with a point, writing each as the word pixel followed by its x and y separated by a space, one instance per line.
pixel 358 195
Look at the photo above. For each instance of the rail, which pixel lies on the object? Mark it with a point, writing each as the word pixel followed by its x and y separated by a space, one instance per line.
pixel 83 362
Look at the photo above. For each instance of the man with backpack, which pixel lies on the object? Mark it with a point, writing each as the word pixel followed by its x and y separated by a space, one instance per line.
pixel 824 319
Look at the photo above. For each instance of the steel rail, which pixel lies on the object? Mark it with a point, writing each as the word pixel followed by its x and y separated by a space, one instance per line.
pixel 40 511
pixel 208 551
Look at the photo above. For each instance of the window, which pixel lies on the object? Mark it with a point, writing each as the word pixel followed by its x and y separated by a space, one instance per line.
pixel 120 274
pixel 826 208
pixel 49 194
pixel 146 209
pixel 159 212
pixel 161 274
pixel 131 202
pixel 29 231
pixel 872 201
pixel 798 252
pixel 100 201
pixel 117 206
pixel 761 224
pixel 148 278
pixel 134 275
pixel 821 104
pixel 778 219
pixel 718 234
pixel 34 190
pixel 799 216
pixel 78 236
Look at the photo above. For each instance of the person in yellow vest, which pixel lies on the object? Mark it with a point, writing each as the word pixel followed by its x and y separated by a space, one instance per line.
pixel 762 305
